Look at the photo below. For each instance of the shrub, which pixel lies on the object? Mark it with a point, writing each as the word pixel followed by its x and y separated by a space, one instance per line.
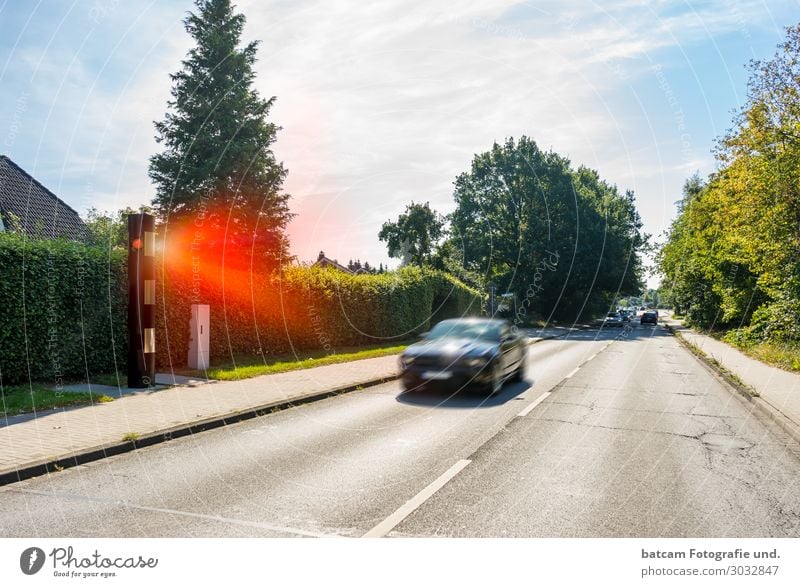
pixel 776 322
pixel 309 307
pixel 63 310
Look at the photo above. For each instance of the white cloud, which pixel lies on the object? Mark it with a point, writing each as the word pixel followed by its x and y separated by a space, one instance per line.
pixel 385 102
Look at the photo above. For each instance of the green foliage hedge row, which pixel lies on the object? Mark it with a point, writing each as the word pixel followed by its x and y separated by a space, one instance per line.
pixel 63 310
pixel 311 308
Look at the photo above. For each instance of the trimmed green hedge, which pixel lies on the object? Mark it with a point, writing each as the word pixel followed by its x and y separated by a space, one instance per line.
pixel 63 310
pixel 310 308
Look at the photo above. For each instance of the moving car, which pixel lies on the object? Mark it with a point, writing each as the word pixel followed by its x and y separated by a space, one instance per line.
pixel 463 352
pixel 613 319
pixel 649 317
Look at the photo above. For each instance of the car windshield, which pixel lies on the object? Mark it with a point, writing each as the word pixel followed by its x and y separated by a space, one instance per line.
pixel 612 315
pixel 458 329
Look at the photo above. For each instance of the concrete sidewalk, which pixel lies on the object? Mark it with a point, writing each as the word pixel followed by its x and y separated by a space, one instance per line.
pixel 778 390
pixel 32 445
pixel 65 437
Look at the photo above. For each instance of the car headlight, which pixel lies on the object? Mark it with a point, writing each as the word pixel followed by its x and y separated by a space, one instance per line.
pixel 405 361
pixel 476 362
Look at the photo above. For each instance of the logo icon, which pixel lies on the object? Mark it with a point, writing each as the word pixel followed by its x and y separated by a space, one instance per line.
pixel 31 560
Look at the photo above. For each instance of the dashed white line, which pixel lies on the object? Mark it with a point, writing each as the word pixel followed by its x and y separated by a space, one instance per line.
pixel 405 510
pixel 529 408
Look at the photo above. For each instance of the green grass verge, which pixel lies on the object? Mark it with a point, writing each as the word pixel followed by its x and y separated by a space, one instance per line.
pixel 249 366
pixel 785 356
pixel 19 399
pixel 254 366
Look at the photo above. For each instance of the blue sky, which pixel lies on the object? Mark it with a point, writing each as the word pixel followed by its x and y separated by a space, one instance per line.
pixel 385 102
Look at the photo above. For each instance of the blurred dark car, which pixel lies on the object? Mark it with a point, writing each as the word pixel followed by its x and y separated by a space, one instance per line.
pixel 625 315
pixel 479 352
pixel 649 317
pixel 613 319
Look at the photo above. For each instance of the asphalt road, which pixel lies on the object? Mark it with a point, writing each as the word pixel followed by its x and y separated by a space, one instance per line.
pixel 613 434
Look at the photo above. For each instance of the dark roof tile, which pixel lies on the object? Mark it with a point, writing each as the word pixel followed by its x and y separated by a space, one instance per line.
pixel 41 213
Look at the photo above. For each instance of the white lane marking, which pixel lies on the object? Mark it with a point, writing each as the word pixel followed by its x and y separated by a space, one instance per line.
pixel 403 512
pixel 529 408
pixel 571 373
pixel 211 517
pixel 592 357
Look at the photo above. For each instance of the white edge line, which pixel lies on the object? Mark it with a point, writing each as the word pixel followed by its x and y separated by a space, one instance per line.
pixel 212 517
pixel 403 512
pixel 592 357
pixel 571 373
pixel 529 408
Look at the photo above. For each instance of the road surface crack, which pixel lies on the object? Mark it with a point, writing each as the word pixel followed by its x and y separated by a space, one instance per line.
pixel 622 428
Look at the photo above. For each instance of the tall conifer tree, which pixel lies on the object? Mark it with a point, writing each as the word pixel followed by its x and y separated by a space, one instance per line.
pixel 217 163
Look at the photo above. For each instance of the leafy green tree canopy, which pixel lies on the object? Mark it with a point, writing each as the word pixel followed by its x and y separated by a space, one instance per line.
pixel 563 240
pixel 731 255
pixel 413 237
pixel 110 229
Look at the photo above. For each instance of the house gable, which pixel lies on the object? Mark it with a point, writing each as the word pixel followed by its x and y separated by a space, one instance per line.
pixel 28 207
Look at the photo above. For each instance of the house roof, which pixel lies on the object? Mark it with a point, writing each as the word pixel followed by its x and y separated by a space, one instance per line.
pixel 40 212
pixel 323 261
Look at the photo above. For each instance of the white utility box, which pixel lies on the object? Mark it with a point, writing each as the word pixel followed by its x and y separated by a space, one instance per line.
pixel 199 328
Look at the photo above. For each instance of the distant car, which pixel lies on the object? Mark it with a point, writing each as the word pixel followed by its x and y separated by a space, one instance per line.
pixel 625 315
pixel 613 319
pixel 649 317
pixel 464 352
